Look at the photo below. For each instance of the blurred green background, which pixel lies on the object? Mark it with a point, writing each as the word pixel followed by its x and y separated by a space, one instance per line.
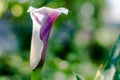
pixel 79 42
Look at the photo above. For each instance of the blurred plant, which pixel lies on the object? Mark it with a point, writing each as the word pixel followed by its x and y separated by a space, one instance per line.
pixel 43 19
pixel 77 77
pixel 112 67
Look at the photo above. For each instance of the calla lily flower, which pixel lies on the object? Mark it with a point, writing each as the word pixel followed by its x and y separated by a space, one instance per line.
pixel 43 19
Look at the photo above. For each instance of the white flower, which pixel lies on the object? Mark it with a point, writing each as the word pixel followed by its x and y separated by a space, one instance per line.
pixel 43 19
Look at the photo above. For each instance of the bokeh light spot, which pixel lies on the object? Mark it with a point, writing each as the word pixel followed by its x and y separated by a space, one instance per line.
pixel 3 7
pixel 17 10
pixel 87 10
pixel 104 36
pixel 59 76
pixel 63 65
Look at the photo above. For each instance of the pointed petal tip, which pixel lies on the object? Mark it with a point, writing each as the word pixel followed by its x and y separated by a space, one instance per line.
pixel 63 10
pixel 30 9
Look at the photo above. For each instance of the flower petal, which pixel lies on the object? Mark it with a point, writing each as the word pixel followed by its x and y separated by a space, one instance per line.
pixel 43 19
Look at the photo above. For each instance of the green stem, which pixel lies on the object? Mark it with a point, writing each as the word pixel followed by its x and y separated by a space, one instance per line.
pixel 36 74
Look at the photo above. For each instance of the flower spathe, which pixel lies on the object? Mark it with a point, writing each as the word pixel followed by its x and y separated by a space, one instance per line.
pixel 43 19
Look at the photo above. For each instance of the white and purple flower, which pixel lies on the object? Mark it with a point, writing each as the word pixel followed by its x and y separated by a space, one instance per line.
pixel 43 19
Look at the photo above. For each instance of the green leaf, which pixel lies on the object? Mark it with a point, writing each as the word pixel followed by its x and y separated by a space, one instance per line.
pixel 112 69
pixel 77 77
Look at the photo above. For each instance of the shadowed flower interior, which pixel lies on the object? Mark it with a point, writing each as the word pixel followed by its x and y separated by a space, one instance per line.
pixel 43 19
